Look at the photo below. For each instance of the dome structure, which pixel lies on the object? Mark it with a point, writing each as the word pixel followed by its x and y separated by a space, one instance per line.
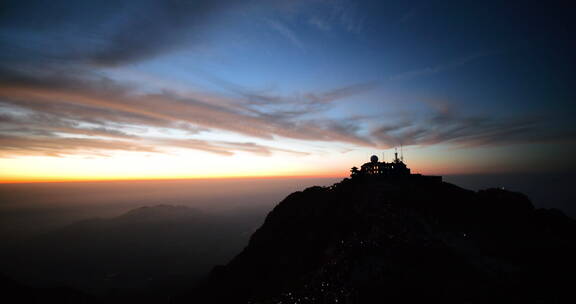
pixel 374 158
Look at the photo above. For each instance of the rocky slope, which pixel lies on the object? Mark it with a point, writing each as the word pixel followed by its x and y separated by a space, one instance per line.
pixel 377 241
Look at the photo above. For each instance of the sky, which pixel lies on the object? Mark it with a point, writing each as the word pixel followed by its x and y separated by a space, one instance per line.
pixel 143 89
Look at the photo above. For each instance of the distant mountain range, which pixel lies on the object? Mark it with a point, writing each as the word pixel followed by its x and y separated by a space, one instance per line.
pixel 157 248
pixel 390 241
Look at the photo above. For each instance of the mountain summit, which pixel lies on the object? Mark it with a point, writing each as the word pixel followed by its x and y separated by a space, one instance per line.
pixel 391 239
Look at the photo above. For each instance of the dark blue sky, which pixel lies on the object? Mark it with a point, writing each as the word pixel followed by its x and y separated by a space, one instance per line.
pixel 464 86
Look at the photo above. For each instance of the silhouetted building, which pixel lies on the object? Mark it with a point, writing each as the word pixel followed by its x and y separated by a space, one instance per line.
pixel 395 169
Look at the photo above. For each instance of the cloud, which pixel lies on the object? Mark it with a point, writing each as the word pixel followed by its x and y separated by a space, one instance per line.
pixel 287 33
pixel 88 105
pixel 345 13
pixel 47 134
pixel 59 146
pixel 308 99
pixel 43 123
pixel 339 14
pixel 104 32
pixel 53 145
pixel 341 92
pixel 57 115
pixel 226 148
pixel 53 100
pixel 438 68
pixel 281 107
pixel 51 92
pixel 460 130
pixel 320 23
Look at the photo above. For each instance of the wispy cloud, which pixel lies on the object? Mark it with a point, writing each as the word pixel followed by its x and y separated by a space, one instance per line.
pixel 285 31
pixel 64 115
pixel 346 14
pixel 73 31
pixel 59 108
pixel 60 146
pixel 438 68
pixel 320 23
pixel 461 130
pixel 336 15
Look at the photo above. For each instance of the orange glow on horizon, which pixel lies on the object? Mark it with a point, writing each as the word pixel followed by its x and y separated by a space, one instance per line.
pixel 124 166
pixel 342 172
pixel 135 179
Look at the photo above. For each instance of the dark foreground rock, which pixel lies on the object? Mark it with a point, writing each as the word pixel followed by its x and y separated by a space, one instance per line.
pixel 387 241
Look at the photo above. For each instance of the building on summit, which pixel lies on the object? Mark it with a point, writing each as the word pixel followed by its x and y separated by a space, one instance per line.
pixel 395 169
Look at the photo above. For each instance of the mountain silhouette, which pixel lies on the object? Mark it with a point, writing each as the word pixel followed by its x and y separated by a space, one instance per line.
pixel 154 249
pixel 403 240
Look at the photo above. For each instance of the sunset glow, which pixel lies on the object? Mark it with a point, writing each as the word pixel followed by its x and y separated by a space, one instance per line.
pixel 286 88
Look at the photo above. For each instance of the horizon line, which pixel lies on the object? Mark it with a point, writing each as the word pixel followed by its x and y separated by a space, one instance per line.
pixel 80 180
pixel 102 180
